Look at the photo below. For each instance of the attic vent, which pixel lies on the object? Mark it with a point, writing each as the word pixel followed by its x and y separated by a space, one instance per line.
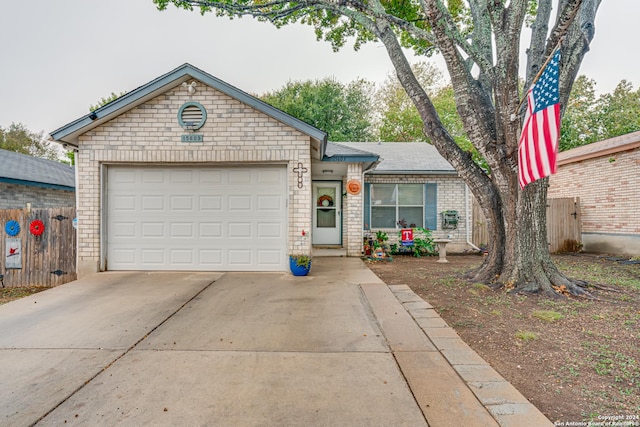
pixel 192 115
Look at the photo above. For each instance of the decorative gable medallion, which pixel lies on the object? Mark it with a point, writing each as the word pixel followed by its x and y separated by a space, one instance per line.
pixel 192 115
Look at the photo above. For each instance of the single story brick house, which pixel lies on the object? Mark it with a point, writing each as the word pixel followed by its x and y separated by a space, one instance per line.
pixel 39 182
pixel 605 175
pixel 190 173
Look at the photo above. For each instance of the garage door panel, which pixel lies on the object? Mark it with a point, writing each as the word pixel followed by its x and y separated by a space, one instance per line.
pixel 210 203
pixel 152 229
pixel 152 203
pixel 182 230
pixel 185 218
pixel 269 203
pixel 153 257
pixel 181 257
pixel 240 257
pixel 269 230
pixel 210 230
pixel 123 229
pixel 239 230
pixel 181 203
pixel 125 257
pixel 124 203
pixel 181 176
pixel 239 176
pixel 210 257
pixel 269 257
pixel 240 203
pixel 152 176
pixel 269 177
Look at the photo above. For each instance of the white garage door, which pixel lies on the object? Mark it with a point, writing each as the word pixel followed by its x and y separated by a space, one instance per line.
pixel 196 218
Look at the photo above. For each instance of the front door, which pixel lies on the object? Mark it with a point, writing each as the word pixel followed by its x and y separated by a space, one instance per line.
pixel 327 211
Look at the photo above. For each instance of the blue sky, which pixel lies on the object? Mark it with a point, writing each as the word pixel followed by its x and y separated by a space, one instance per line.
pixel 59 57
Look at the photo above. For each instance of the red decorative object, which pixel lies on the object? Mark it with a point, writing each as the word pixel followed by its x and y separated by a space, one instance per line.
pixel 325 198
pixel 36 227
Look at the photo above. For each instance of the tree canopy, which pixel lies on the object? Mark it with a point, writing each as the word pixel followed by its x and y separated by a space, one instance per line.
pixel 589 119
pixel 18 138
pixel 344 111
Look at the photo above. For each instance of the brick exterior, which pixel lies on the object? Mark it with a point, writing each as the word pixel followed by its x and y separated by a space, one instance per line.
pixel 451 196
pixel 609 191
pixel 14 196
pixel 352 213
pixel 150 133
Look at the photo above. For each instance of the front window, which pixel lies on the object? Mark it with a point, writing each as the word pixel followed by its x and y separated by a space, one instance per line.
pixel 392 204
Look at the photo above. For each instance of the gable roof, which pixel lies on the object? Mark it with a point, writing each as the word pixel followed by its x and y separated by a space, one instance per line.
pixel 69 133
pixel 404 157
pixel 33 171
pixel 601 148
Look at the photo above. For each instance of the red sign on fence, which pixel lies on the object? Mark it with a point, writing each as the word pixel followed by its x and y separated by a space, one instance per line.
pixel 407 236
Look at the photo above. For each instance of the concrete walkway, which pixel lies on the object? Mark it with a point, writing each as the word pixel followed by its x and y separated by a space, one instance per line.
pixel 336 348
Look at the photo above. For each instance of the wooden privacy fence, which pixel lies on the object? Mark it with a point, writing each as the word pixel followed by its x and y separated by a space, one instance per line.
pixel 28 259
pixel 564 232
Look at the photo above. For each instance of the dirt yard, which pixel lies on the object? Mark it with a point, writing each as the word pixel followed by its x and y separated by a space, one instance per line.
pixel 574 359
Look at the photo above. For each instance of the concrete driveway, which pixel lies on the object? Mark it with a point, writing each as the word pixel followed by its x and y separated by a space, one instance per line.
pixel 337 347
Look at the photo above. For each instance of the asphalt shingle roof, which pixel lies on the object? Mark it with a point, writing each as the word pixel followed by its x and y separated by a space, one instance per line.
pixel 16 166
pixel 402 157
pixel 601 148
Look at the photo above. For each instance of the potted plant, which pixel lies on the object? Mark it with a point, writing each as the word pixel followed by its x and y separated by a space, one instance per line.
pixel 300 263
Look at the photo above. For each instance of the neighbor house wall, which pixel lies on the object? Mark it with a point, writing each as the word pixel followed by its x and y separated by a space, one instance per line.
pixel 150 134
pixel 609 191
pixel 15 196
pixel 450 196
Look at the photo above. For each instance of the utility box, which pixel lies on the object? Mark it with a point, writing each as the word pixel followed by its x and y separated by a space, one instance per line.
pixel 449 219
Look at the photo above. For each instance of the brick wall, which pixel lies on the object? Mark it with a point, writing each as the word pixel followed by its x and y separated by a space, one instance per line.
pixel 352 213
pixel 14 196
pixel 451 196
pixel 609 191
pixel 150 133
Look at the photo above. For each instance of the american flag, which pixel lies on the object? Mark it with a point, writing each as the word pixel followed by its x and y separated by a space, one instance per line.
pixel 538 146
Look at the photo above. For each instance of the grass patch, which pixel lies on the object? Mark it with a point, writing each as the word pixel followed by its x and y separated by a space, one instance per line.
pixel 526 336
pixel 602 272
pixel 10 294
pixel 547 315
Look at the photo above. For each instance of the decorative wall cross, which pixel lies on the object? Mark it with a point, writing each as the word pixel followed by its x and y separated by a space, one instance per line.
pixel 300 170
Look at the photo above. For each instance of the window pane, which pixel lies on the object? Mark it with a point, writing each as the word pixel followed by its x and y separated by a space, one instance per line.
pixel 383 217
pixel 410 194
pixel 412 216
pixel 326 196
pixel 383 194
pixel 326 218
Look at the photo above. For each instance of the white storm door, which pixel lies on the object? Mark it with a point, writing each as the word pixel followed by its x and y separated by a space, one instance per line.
pixel 327 212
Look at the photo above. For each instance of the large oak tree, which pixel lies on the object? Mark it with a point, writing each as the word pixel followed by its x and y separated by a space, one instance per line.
pixel 479 41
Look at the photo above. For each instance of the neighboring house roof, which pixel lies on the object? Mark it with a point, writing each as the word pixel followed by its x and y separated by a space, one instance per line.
pixel 600 148
pixel 403 157
pixel 69 133
pixel 28 170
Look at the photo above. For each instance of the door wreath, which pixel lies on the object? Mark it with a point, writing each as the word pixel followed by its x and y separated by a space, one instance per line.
pixel 325 200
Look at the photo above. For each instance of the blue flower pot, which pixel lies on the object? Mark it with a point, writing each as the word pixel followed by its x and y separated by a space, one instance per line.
pixel 298 270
